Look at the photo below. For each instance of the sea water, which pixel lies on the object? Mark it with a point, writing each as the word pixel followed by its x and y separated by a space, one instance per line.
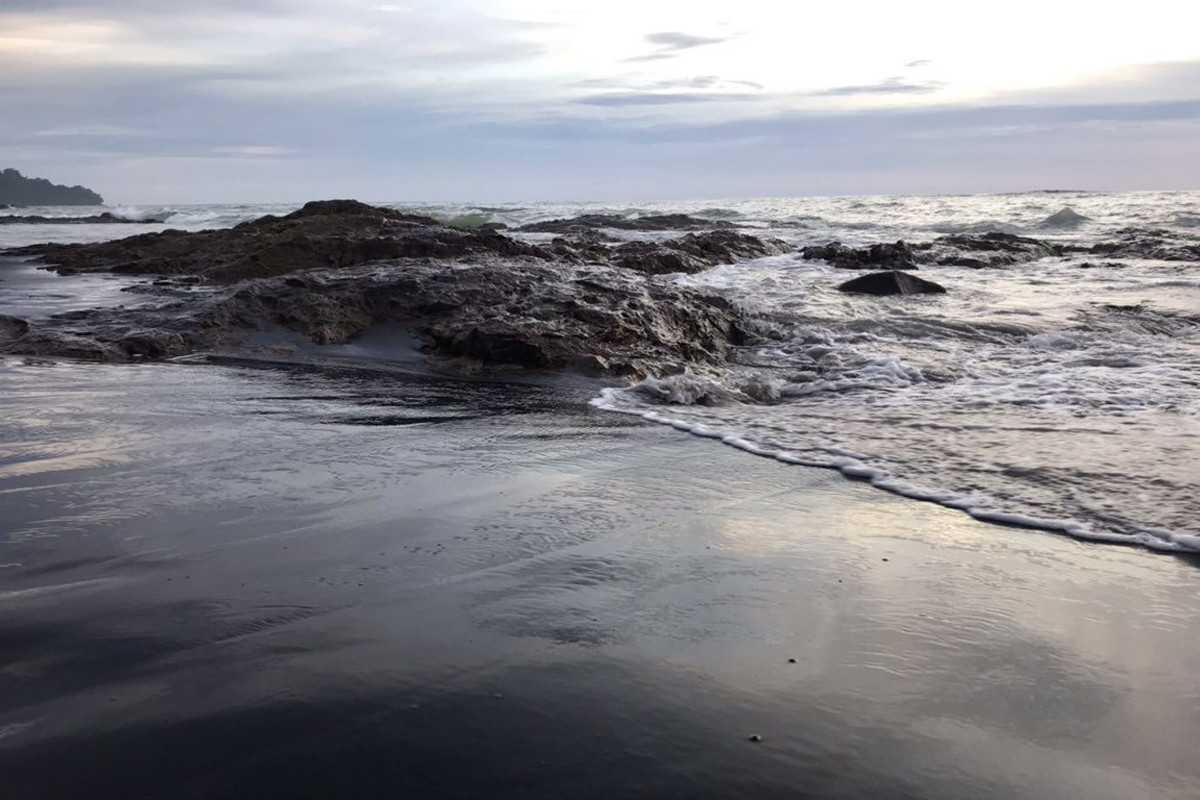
pixel 1061 394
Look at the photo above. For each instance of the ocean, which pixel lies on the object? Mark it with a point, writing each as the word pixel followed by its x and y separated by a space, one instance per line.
pixel 353 575
pixel 1061 394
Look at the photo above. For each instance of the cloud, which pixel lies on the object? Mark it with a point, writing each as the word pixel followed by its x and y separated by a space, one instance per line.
pixel 650 57
pixel 253 151
pixel 677 40
pixel 890 86
pixel 671 43
pixel 920 62
pixel 615 99
pixel 93 130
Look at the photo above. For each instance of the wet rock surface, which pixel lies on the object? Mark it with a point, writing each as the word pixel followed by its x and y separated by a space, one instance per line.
pixel 323 234
pixel 1153 243
pixel 104 218
pixel 1066 218
pixel 695 252
pixel 654 222
pixel 985 250
pixel 878 256
pixel 594 320
pixel 890 283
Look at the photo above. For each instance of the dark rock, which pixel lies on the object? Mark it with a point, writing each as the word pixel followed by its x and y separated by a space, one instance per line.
pixel 598 320
pixel 104 218
pixel 12 328
pixel 38 342
pixel 1064 218
pixel 877 256
pixel 18 190
pixel 324 234
pixel 1153 243
pixel 694 253
pixel 985 250
pixel 893 282
pixel 659 222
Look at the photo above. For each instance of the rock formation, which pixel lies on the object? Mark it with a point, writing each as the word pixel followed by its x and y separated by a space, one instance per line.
pixel 333 269
pixel 591 222
pixel 1065 218
pixel 892 282
pixel 985 250
pixel 877 256
pixel 104 218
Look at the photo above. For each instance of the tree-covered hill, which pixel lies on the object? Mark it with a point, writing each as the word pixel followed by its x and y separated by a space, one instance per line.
pixel 17 190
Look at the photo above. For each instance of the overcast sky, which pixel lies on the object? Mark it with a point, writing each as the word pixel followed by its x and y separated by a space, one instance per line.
pixel 286 100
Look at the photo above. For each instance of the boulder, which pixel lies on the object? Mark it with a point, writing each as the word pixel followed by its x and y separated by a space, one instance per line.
pixel 892 282
pixel 1066 218
pixel 878 256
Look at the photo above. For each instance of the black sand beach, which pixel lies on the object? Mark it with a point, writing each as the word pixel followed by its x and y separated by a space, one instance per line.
pixel 233 582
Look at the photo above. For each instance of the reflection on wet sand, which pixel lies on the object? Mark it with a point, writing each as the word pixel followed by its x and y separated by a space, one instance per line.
pixel 236 590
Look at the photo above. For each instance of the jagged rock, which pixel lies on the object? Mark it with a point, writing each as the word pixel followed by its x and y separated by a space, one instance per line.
pixel 659 222
pixel 322 234
pixel 694 253
pixel 985 250
pixel 877 256
pixel 1066 217
pixel 40 342
pixel 597 319
pixel 1155 243
pixel 893 282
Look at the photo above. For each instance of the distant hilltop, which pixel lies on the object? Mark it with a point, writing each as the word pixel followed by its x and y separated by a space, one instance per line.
pixel 17 190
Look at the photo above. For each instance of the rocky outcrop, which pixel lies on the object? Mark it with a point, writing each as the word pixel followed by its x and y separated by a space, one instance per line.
pixel 17 190
pixel 595 320
pixel 878 256
pixel 695 252
pixel 321 235
pixel 104 218
pixel 591 222
pixel 1154 243
pixel 984 250
pixel 892 282
pixel 334 269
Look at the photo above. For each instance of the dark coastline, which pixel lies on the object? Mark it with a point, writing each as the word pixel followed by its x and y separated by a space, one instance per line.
pixel 229 583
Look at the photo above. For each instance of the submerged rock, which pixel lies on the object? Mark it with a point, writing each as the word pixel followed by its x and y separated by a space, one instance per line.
pixel 893 282
pixel 104 218
pixel 877 256
pixel 1066 217
pixel 1154 243
pixel 985 250
pixel 12 328
pixel 654 222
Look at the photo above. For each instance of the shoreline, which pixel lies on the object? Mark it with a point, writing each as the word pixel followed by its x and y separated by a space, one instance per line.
pixel 452 588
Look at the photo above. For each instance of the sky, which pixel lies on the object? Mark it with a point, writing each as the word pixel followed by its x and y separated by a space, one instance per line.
pixel 519 100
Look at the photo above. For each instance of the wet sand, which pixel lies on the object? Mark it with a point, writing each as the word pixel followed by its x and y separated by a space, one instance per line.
pixel 221 582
